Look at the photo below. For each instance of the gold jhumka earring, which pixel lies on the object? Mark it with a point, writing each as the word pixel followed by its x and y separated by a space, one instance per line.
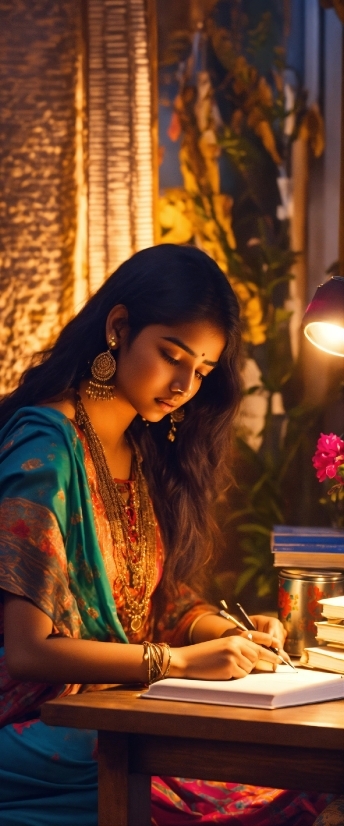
pixel 103 368
pixel 175 417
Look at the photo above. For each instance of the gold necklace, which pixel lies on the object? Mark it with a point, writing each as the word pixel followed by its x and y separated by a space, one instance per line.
pixel 134 547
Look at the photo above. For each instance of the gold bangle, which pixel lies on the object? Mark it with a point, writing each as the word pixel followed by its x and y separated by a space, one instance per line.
pixel 148 659
pixel 153 654
pixel 169 657
pixel 194 623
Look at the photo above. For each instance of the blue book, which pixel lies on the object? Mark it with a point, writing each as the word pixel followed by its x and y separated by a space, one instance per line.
pixel 297 535
pixel 302 547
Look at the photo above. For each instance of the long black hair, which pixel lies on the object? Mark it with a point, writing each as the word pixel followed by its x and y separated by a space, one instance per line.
pixel 167 284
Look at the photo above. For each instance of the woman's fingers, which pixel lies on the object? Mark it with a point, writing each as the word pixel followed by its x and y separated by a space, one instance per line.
pixel 227 657
pixel 220 659
pixel 269 656
pixel 262 639
pixel 271 625
pixel 259 637
pixel 262 643
pixel 246 658
pixel 251 651
pixel 240 670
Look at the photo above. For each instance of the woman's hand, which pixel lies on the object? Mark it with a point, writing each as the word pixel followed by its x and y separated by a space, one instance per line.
pixel 271 626
pixel 222 659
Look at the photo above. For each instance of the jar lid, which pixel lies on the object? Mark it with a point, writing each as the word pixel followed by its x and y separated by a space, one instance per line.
pixel 307 574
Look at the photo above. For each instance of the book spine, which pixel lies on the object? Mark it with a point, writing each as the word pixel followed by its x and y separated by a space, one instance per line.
pixel 298 537
pixel 306 547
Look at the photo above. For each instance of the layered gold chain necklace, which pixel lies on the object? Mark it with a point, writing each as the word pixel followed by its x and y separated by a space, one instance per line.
pixel 134 545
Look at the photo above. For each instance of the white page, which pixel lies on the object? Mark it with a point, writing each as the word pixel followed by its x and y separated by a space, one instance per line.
pixel 334 601
pixel 267 690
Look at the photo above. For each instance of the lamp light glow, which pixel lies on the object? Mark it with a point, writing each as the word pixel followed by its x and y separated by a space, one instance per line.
pixel 323 321
pixel 327 337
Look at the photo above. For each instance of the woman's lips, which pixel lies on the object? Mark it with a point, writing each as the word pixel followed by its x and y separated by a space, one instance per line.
pixel 165 405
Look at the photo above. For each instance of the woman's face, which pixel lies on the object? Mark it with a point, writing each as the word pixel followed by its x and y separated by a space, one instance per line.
pixel 163 367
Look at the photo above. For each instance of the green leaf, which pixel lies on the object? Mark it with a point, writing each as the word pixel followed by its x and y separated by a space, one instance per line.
pixel 254 528
pixel 272 284
pixel 243 579
pixel 238 514
pixel 263 587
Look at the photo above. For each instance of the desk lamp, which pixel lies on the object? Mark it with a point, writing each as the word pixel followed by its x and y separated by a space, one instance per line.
pixel 323 321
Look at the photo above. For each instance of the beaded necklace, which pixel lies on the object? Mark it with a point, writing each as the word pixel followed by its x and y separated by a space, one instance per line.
pixel 134 546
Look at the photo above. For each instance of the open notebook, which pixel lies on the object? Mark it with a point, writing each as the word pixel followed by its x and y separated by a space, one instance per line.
pixel 266 690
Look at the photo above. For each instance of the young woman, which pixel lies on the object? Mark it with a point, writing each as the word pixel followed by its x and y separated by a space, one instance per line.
pixel 112 450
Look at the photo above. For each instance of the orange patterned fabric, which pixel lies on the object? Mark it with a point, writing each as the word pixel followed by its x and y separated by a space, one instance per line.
pixel 173 626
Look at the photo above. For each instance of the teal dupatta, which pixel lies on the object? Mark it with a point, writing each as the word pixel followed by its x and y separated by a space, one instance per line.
pixel 49 551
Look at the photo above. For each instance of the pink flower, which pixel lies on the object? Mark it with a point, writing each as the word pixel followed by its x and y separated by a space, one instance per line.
pixel 328 458
pixel 330 443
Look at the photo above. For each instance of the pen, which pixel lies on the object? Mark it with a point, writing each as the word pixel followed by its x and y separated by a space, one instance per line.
pixel 236 622
pixel 250 625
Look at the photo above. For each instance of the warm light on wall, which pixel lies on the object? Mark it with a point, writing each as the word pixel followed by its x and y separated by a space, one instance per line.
pixel 323 321
pixel 120 135
pixel 42 195
pixel 77 159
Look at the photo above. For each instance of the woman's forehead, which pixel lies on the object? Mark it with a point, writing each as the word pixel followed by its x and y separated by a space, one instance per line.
pixel 197 338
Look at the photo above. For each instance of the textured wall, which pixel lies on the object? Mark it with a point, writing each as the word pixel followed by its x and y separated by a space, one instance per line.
pixel 38 75
pixel 120 133
pixel 64 229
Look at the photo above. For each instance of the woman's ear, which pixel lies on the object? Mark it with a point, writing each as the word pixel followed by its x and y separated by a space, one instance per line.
pixel 117 326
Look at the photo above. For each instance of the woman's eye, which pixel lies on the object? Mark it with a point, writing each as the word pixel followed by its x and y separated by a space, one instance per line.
pixel 168 358
pixel 171 360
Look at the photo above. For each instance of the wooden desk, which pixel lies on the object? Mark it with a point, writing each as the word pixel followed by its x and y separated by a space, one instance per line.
pixel 295 748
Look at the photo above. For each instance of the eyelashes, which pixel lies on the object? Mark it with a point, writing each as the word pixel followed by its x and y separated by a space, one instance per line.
pixel 168 358
pixel 171 360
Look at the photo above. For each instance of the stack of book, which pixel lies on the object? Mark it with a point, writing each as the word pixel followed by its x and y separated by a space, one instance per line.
pixel 299 547
pixel 329 657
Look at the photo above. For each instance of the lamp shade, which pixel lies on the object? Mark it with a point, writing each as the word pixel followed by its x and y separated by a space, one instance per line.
pixel 323 322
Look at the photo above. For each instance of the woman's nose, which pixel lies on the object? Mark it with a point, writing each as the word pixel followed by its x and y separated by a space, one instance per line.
pixel 182 385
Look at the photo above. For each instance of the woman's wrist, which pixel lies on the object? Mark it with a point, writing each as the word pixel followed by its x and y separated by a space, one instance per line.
pixel 178 663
